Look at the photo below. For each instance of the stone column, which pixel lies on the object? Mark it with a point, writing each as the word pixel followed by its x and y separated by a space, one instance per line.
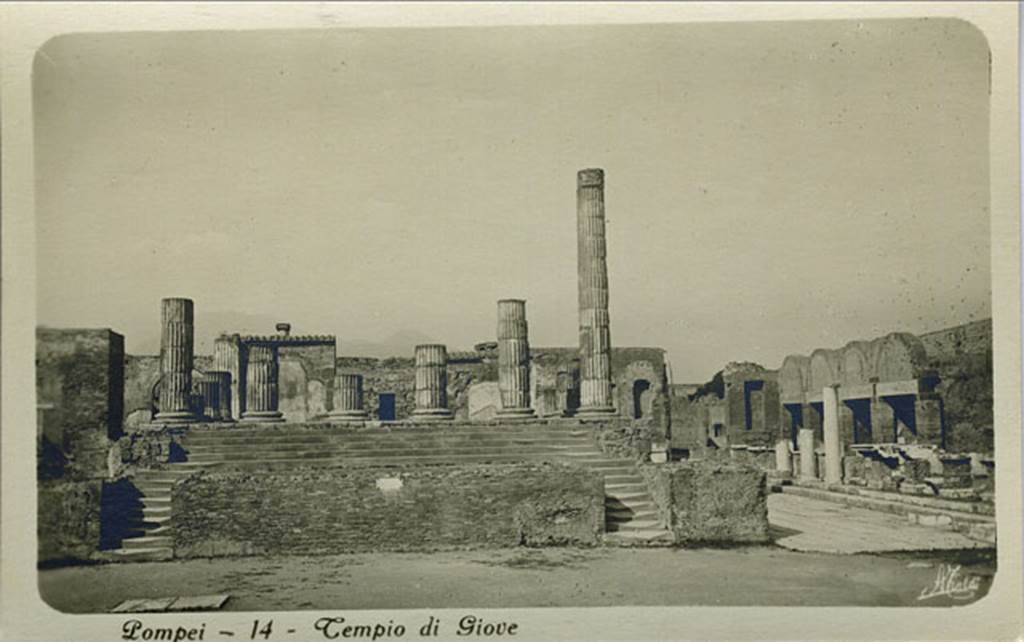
pixel 592 279
pixel 513 360
pixel 348 398
pixel 211 386
pixel 808 458
pixel 783 459
pixel 261 385
pixel 176 345
pixel 431 383
pixel 228 356
pixel 833 443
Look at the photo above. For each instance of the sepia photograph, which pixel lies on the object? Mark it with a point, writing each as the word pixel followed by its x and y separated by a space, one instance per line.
pixel 454 318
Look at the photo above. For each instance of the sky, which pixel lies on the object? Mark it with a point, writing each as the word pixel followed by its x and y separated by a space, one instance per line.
pixel 771 188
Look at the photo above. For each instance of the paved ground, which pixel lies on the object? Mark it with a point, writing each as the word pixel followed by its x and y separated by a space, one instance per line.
pixel 747 576
pixel 805 524
pixel 520 578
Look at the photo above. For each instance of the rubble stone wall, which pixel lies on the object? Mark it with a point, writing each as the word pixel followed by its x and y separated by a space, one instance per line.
pixel 310 511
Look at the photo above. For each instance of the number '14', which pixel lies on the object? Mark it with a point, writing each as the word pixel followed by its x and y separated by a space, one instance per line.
pixel 258 631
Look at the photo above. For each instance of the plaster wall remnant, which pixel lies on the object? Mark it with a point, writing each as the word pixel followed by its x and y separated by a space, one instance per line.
pixel 592 275
pixel 176 351
pixel 513 360
pixel 348 397
pixel 229 357
pixel 261 385
pixel 431 383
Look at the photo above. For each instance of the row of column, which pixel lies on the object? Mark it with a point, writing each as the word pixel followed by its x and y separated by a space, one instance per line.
pixel 217 388
pixel 806 445
pixel 220 389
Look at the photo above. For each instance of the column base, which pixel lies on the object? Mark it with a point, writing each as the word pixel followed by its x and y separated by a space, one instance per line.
pixel 515 414
pixel 262 416
pixel 184 417
pixel 595 413
pixel 432 414
pixel 348 415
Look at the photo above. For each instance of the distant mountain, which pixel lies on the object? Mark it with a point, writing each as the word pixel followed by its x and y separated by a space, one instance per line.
pixel 399 344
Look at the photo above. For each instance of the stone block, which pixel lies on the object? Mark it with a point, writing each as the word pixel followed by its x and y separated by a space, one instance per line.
pixel 712 502
pixel 915 470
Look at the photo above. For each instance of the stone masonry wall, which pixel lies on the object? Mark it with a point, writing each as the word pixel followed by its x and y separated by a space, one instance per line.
pixel 356 509
pixel 68 523
pixel 80 388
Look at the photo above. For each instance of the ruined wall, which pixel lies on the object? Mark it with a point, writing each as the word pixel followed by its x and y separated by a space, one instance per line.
pixel 305 380
pixel 743 398
pixel 751 403
pixel 690 422
pixel 710 502
pixel 950 405
pixel 398 376
pixel 68 522
pixel 468 368
pixel 310 511
pixel 141 376
pixel 962 360
pixel 969 338
pixel 80 392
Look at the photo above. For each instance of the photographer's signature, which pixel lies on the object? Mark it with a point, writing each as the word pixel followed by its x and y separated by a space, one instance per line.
pixel 951 583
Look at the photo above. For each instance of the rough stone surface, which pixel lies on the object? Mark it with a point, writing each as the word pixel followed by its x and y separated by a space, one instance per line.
pixel 147 448
pixel 628 439
pixel 68 520
pixel 878 473
pixel 710 502
pixel 80 382
pixel 386 509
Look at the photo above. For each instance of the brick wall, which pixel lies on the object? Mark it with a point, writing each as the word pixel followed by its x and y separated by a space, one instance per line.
pixel 356 509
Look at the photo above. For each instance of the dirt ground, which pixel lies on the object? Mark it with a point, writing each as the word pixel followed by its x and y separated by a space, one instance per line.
pixel 506 578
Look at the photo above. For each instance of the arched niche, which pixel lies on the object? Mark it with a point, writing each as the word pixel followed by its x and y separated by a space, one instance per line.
pixel 794 376
pixel 825 370
pixel 857 368
pixel 899 357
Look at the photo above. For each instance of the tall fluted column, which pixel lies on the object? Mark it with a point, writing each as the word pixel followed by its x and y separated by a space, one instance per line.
pixel 431 383
pixel 592 275
pixel 261 385
pixel 176 344
pixel 210 386
pixel 348 397
pixel 229 357
pixel 513 360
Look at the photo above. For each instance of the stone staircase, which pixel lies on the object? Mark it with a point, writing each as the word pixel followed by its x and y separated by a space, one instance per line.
pixel 630 513
pixel 149 537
